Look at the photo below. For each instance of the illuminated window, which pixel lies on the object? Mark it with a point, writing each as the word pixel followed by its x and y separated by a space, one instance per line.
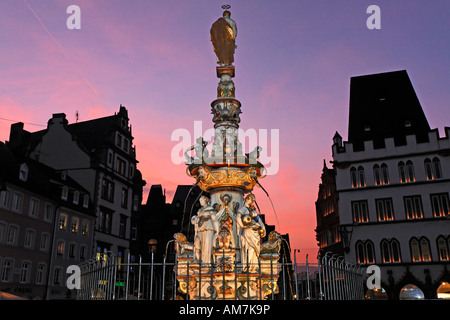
pixel 360 211
pixel 365 252
pixel 361 175
pixel 390 251
pixel 353 177
pixel 410 171
pixel 437 168
pixel 413 207
pixel 385 212
pixel 433 168
pixel 377 175
pixel 85 227
pixel 428 169
pixel 420 250
pixel 60 245
pixel 384 174
pixel 440 204
pixel 74 225
pixel 62 221
pixel 443 248
pixel 401 171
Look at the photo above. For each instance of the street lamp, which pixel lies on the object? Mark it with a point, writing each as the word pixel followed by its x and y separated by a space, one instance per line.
pixel 152 243
pixel 346 233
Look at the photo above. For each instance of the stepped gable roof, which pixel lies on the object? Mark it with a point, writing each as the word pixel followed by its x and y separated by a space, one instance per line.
pixel 382 106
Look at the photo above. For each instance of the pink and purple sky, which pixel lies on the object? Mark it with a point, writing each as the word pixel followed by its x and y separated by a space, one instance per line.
pixel 293 65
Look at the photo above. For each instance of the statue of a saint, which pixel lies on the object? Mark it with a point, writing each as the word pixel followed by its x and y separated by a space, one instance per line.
pixel 223 37
pixel 252 230
pixel 206 230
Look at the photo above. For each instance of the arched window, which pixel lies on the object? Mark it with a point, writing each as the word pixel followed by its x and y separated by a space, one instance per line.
pixel 365 252
pixel 410 171
pixel 384 174
pixel 361 175
pixel 353 177
pixel 428 169
pixel 376 175
pixel 401 171
pixel 443 248
pixel 420 250
pixel 437 168
pixel 390 250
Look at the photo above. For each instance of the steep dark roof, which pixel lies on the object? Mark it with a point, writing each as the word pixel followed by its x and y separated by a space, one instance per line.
pixel 384 105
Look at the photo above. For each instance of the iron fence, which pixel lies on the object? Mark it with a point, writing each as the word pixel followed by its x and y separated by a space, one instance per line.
pixel 107 278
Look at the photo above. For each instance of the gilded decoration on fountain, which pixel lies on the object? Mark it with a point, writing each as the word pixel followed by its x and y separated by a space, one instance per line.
pixel 228 258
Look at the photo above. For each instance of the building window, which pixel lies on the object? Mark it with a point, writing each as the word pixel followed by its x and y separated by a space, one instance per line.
pixel 437 168
pixel 17 201
pixel 377 175
pixel 85 227
pixel 360 211
pixel 29 239
pixel 440 204
pixel 48 212
pixel 34 208
pixel 72 250
pixel 353 177
pixel 413 207
pixel 107 190
pixel 2 231
pixel 420 250
pixel 23 172
pixel 121 166
pixel 7 270
pixel 385 212
pixel 60 246
pixel 133 233
pixel 362 178
pixel 40 273
pixel 76 197
pixel 12 235
pixel 401 171
pixel 4 198
pixel 105 220
pixel 25 272
pixel 365 252
pixel 85 201
pixel 410 177
pixel 45 242
pixel 83 252
pixel 124 198
pixel 109 161
pixel 62 221
pixel 443 248
pixel 384 174
pixel 74 225
pixel 65 193
pixel 122 226
pixel 57 275
pixel 433 169
pixel 390 251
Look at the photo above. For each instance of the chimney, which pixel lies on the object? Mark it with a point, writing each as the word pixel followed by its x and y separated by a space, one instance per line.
pixel 16 134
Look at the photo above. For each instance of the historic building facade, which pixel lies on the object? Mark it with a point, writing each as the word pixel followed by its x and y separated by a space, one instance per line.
pixel 392 184
pixel 99 154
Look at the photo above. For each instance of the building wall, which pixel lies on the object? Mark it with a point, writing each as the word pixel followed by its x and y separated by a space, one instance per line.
pixel 18 251
pixel 401 228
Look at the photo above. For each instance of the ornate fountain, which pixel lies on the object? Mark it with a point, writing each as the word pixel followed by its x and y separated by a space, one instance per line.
pixel 227 259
